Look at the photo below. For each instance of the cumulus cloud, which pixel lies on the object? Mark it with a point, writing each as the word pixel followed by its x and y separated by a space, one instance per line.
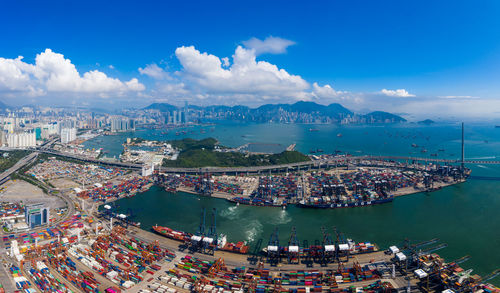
pixel 325 92
pixel 245 75
pixel 273 45
pixel 15 76
pixel 402 93
pixel 154 71
pixel 52 72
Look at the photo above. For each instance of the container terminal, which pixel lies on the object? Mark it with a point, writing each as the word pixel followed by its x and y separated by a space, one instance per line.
pixel 92 249
pixel 366 183
pixel 103 250
pixel 89 253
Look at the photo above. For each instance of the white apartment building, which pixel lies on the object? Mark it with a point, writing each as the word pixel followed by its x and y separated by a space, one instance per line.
pixel 68 135
pixel 21 140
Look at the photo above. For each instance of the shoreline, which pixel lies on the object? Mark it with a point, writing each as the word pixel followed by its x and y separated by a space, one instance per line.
pixel 228 197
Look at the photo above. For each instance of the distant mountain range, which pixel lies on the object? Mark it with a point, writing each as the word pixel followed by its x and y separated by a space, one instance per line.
pixel 299 112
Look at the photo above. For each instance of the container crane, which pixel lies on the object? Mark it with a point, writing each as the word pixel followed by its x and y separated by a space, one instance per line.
pixel 293 248
pixel 328 248
pixel 196 240
pixel 210 242
pixel 273 249
pixel 307 257
pixel 341 246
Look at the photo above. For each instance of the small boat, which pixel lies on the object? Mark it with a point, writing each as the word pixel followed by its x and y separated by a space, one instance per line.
pixel 313 129
pixel 339 134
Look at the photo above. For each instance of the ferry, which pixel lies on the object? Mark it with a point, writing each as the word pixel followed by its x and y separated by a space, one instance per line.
pixel 304 204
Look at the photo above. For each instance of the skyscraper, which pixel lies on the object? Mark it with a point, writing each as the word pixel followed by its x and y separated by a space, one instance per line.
pixel 186 109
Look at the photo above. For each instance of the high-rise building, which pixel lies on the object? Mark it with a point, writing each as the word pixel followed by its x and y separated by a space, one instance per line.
pixel 119 124
pixel 186 109
pixel 36 215
pixel 49 130
pixel 68 135
pixel 21 140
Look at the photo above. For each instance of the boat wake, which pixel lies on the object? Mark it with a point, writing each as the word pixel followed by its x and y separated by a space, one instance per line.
pixel 254 229
pixel 482 158
pixel 483 166
pixel 230 213
pixel 282 218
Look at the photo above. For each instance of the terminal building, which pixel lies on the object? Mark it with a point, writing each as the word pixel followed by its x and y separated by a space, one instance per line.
pixel 36 215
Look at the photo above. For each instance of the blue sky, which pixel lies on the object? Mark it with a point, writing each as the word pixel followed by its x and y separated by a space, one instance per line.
pixel 437 53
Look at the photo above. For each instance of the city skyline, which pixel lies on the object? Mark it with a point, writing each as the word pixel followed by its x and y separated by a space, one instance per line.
pixel 412 60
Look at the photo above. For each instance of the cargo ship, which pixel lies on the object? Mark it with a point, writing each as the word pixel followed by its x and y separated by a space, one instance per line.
pixel 351 246
pixel 255 202
pixel 172 234
pixel 238 247
pixel 222 244
pixel 304 204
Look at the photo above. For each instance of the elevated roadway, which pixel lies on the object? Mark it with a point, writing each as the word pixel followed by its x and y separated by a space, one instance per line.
pixel 260 169
pixel 4 177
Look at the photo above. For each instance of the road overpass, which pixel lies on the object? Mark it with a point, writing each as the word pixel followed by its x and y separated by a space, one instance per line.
pixel 321 163
pixel 4 177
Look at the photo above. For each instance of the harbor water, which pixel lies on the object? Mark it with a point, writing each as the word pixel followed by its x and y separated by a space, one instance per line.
pixel 465 216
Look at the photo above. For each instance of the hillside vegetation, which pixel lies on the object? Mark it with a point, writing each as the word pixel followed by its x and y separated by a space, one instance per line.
pixel 201 153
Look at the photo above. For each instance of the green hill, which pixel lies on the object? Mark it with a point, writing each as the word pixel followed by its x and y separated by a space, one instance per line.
pixel 202 153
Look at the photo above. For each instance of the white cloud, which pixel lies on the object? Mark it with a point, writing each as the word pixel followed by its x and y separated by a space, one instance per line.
pixel 225 61
pixel 402 93
pixel 325 92
pixel 273 45
pixel 111 66
pixel 135 85
pixel 15 76
pixel 54 73
pixel 458 97
pixel 175 89
pixel 244 76
pixel 154 71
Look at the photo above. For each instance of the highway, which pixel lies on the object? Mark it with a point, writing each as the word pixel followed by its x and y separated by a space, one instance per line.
pixel 260 169
pixel 4 177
